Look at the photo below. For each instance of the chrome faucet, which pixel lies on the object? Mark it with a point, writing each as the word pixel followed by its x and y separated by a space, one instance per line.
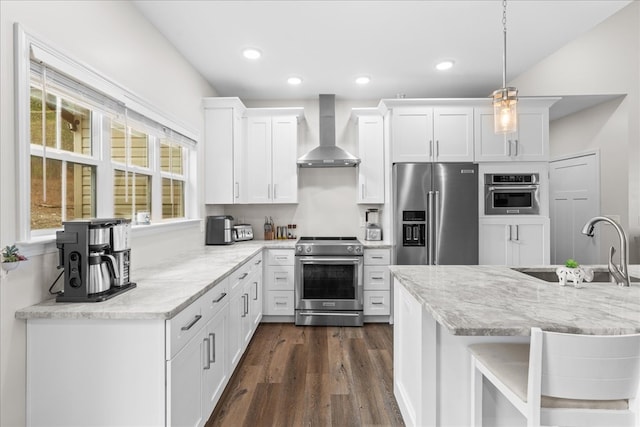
pixel 619 274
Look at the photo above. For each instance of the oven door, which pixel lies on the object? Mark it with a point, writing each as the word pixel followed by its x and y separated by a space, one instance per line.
pixel 328 283
pixel 512 200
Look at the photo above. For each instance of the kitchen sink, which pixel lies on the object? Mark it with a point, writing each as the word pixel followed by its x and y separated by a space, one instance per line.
pixel 549 275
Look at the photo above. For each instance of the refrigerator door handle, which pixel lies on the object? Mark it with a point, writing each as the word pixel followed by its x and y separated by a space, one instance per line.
pixel 430 212
pixel 436 227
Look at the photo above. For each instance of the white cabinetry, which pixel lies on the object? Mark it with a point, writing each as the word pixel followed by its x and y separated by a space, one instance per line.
pixel 272 175
pixel 377 297
pixel 371 154
pixel 241 318
pixel 529 143
pixel 514 241
pixel 279 282
pixel 426 134
pixel 224 151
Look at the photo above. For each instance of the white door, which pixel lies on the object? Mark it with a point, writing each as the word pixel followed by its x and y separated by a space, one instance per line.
pixel 412 134
pixel 258 171
pixel 453 134
pixel 494 242
pixel 284 168
pixel 575 197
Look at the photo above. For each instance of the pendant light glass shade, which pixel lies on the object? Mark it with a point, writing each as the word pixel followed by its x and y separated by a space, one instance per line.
pixel 505 110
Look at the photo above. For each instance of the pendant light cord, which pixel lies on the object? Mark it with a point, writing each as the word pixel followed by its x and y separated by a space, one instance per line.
pixel 504 43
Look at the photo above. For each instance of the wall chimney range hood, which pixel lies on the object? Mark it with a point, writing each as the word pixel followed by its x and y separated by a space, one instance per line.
pixel 327 154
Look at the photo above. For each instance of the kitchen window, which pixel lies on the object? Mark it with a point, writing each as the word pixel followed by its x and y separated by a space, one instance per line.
pixel 93 149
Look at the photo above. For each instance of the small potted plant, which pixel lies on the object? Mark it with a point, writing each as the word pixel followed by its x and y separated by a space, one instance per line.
pixel 574 272
pixel 11 257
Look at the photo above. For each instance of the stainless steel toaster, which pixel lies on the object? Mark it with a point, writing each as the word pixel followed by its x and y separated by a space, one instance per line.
pixel 242 232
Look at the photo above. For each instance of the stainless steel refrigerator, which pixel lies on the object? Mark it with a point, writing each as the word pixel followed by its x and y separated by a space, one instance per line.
pixel 436 213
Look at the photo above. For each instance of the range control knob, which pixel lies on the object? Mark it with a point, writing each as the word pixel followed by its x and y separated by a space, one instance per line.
pixel 298 248
pixel 308 249
pixel 358 249
pixel 349 248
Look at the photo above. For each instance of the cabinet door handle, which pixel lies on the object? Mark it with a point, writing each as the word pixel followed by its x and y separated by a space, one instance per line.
pixel 237 190
pixel 258 262
pixel 268 191
pixel 517 239
pixel 207 357
pixel 437 148
pixel 243 276
pixel 193 322
pixel 510 232
pixel 256 289
pixel 508 142
pixel 245 304
pixel 430 148
pixel 217 300
pixel 515 142
pixel 212 354
pixel 275 191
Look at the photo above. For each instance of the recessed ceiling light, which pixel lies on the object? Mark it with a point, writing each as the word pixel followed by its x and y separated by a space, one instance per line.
pixel 294 80
pixel 363 80
pixel 444 65
pixel 251 53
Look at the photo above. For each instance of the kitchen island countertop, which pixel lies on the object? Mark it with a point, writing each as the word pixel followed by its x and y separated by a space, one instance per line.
pixel 498 301
pixel 162 291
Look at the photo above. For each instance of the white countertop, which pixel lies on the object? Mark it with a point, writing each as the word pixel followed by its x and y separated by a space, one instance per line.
pixel 162 291
pixel 495 300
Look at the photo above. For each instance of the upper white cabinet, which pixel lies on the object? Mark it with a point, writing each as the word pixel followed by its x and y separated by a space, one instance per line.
pixel 272 172
pixel 529 143
pixel 371 153
pixel 431 134
pixel 224 151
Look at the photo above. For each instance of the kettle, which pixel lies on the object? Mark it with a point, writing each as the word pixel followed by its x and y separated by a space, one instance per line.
pixel 373 231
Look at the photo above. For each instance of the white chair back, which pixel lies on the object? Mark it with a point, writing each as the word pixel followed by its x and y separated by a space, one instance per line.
pixel 588 367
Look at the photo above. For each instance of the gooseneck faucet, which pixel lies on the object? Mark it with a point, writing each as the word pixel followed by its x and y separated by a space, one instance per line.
pixel 620 274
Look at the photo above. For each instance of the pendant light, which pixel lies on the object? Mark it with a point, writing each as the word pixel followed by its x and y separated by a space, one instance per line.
pixel 505 99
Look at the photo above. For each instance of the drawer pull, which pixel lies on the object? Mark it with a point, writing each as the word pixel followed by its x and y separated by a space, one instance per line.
pixel 212 355
pixel 377 278
pixel 376 257
pixel 258 262
pixel 243 276
pixel 193 322
pixel 207 358
pixel 377 303
pixel 281 303
pixel 222 295
pixel 282 258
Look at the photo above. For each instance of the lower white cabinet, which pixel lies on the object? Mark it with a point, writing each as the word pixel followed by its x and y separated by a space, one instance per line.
pixel 516 240
pixel 279 282
pixel 124 372
pixel 377 296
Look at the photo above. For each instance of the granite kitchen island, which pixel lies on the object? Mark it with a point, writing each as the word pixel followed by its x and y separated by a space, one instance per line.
pixel 440 310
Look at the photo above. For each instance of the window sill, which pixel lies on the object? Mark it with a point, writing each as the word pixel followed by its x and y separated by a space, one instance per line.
pixel 42 245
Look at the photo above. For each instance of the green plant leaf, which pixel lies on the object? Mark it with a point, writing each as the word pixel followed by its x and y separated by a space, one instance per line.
pixel 571 263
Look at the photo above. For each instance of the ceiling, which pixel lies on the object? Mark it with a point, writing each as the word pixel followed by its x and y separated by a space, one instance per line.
pixel 396 43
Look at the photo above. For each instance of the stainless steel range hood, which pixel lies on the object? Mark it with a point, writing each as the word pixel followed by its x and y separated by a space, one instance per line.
pixel 327 154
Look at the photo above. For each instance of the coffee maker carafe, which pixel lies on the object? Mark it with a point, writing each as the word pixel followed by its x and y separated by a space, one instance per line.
pixel 95 255
pixel 372 231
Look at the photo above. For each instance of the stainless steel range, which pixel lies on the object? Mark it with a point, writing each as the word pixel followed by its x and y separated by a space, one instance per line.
pixel 328 281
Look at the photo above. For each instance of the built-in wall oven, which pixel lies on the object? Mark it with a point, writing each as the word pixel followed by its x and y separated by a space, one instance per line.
pixel 512 194
pixel 329 281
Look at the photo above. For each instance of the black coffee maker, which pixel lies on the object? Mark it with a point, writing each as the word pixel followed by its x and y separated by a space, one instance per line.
pixel 95 255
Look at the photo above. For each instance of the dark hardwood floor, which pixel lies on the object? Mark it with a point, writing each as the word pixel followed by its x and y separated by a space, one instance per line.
pixel 312 376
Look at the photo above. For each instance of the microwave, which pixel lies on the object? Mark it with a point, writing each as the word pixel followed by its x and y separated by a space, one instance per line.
pixel 512 194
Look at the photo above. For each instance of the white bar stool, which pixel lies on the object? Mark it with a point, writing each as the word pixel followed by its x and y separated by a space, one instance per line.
pixel 562 379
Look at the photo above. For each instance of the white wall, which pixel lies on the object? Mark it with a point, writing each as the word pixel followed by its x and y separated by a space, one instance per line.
pixel 113 38
pixel 605 60
pixel 326 196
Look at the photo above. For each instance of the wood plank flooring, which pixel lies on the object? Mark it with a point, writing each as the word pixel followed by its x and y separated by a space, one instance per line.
pixel 312 376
